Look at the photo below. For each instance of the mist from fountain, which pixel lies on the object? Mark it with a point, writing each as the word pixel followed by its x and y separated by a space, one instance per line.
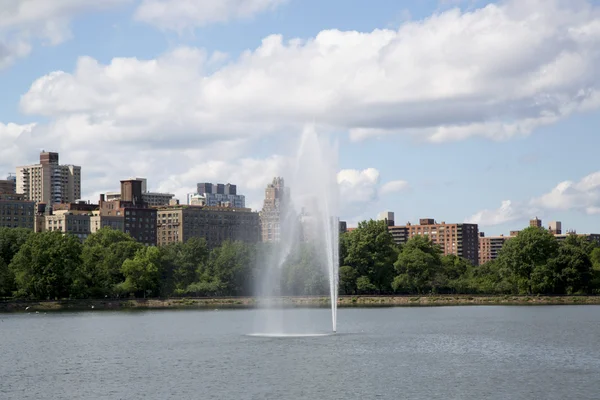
pixel 314 191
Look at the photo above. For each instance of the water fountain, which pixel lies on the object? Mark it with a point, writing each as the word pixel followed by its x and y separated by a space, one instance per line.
pixel 314 190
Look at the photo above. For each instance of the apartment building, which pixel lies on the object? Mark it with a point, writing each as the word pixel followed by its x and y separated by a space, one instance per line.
pixel 49 182
pixel 490 246
pixel 139 220
pixel 69 222
pixel 98 221
pixel 459 239
pixel 16 211
pixel 179 223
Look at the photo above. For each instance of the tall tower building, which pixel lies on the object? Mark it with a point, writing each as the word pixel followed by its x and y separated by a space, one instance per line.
pixel 48 182
pixel 277 197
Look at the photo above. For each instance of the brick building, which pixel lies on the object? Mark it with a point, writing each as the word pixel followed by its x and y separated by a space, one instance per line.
pixel 490 246
pixel 215 224
pixel 16 211
pixel 139 220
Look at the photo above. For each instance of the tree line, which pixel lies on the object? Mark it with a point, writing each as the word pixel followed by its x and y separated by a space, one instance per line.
pixel 110 264
pixel 533 262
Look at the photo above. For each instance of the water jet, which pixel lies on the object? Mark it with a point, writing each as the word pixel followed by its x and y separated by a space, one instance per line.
pixel 308 213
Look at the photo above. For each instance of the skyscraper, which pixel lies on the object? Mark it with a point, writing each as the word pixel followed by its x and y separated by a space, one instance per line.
pixel 48 182
pixel 277 197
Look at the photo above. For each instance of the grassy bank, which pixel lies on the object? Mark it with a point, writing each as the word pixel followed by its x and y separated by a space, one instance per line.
pixel 249 302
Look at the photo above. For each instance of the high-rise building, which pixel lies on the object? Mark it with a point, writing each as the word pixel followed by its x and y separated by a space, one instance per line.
pixel 490 246
pixel 16 211
pixel 179 223
pixel 459 239
pixel 277 198
pixel 48 182
pixel 139 220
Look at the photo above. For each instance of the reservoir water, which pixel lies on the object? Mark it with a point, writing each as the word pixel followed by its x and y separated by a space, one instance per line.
pixel 496 352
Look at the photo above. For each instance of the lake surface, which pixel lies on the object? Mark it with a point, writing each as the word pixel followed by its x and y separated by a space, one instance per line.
pixel 496 352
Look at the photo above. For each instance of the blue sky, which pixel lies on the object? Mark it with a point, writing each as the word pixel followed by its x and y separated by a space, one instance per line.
pixel 455 110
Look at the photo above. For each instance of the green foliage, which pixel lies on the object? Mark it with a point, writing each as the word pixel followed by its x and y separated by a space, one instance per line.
pixel 7 279
pixel 418 266
pixel 110 263
pixel 371 251
pixel 181 263
pixel 46 266
pixel 142 273
pixel 364 285
pixel 303 273
pixel 102 257
pixel 348 276
pixel 526 257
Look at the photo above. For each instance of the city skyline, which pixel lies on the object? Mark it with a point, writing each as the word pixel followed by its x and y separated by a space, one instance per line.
pixel 220 94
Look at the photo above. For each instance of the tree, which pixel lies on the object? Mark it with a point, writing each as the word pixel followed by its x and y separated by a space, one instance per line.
pixel 230 264
pixel 453 273
pixel 364 285
pixel 103 254
pixel 46 266
pixel 595 259
pixel 489 278
pixel 526 256
pixel 181 263
pixel 417 266
pixel 11 240
pixel 7 279
pixel 571 271
pixel 347 280
pixel 371 251
pixel 142 273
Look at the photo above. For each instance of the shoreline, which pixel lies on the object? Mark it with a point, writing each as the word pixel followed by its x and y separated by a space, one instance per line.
pixel 12 306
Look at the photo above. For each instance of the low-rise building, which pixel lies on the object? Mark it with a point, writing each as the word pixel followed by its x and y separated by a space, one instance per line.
pixel 69 222
pixel 9 185
pixel 98 221
pixel 16 211
pixel 215 224
pixel 591 237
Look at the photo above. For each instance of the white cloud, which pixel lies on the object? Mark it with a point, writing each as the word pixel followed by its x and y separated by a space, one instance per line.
pixel 10 150
pixel 498 72
pixel 179 15
pixel 22 21
pixel 582 196
pixel 393 187
pixel 507 212
pixel 359 185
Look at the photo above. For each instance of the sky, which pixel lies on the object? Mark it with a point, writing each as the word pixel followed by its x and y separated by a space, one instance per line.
pixel 461 111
